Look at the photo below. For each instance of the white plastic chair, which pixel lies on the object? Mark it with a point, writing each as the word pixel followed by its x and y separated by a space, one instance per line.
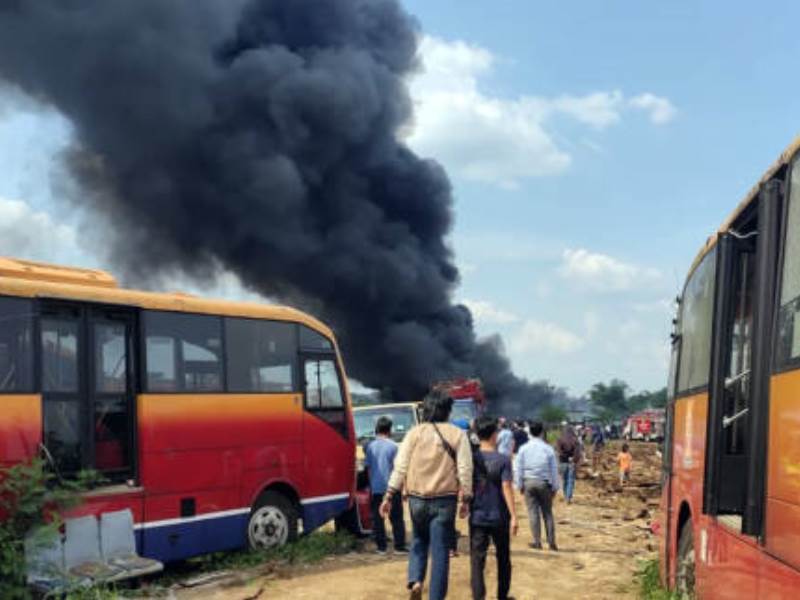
pixel 82 555
pixel 118 545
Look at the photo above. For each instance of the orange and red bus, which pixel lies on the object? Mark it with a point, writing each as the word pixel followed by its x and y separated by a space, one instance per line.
pixel 216 423
pixel 731 499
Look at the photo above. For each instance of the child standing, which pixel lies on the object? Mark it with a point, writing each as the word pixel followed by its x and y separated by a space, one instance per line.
pixel 625 460
pixel 492 513
pixel 379 458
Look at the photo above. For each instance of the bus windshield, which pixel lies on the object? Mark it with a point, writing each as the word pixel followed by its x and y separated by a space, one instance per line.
pixel 463 409
pixel 402 420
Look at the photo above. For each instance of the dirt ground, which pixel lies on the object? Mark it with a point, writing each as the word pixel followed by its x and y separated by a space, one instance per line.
pixel 602 536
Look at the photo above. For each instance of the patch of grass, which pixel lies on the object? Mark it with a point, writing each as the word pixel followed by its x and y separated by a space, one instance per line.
pixel 307 550
pixel 649 580
pixel 99 592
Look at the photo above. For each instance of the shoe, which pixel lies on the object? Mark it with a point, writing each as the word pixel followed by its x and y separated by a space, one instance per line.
pixel 553 548
pixel 415 592
pixel 402 550
pixel 380 552
pixel 535 546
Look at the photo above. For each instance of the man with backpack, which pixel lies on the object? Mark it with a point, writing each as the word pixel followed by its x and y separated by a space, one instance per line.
pixel 492 513
pixel 434 467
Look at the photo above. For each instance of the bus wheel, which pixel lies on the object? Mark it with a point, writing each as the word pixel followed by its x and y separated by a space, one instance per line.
pixel 273 522
pixel 684 578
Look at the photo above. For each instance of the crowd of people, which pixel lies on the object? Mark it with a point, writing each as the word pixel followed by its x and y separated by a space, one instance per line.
pixel 446 469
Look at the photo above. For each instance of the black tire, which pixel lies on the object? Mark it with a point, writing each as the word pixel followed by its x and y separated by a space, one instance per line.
pixel 273 522
pixel 685 567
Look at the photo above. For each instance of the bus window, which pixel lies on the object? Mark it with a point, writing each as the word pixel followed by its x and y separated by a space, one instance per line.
pixel 112 419
pixel 16 349
pixel 61 349
pixel 261 355
pixel 62 433
pixel 313 341
pixel 59 355
pixel 161 364
pixel 322 385
pixel 788 350
pixel 183 352
pixel 740 338
pixel 110 357
pixel 696 324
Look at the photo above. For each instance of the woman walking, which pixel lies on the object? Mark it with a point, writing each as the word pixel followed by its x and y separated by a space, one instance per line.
pixel 434 466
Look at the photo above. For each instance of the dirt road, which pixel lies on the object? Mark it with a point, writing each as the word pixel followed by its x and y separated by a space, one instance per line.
pixel 602 536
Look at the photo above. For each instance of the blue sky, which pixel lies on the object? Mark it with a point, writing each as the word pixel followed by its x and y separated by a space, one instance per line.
pixel 592 147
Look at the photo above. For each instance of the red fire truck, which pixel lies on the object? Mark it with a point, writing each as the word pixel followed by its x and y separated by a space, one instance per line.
pixel 468 396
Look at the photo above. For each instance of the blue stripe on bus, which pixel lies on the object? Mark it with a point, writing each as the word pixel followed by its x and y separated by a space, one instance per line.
pixel 177 541
pixel 191 538
pixel 317 514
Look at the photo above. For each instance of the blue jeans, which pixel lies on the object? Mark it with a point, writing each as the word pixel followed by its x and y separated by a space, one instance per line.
pixel 567 473
pixel 432 520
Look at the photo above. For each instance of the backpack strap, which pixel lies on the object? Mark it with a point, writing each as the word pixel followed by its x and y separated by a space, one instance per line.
pixel 451 452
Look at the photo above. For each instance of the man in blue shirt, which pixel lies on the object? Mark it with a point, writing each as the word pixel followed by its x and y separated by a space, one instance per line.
pixel 379 459
pixel 505 439
pixel 536 476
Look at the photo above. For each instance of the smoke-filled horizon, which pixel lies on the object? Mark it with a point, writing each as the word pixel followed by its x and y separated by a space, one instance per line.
pixel 262 137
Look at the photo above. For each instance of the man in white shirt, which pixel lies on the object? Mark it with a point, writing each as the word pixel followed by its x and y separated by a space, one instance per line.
pixel 536 476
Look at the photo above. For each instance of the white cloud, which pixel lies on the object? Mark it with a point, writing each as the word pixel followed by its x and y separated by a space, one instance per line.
pixel 600 109
pixel 539 337
pixel 491 139
pixel 32 234
pixel 661 110
pixel 601 272
pixel 486 313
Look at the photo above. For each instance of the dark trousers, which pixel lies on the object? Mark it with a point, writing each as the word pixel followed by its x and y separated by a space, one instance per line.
pixel 432 520
pixel 539 500
pixel 479 538
pixel 395 518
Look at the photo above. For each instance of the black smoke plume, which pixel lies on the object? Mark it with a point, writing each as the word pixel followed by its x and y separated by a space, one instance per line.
pixel 262 137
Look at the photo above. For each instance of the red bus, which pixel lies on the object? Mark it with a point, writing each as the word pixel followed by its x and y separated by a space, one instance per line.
pixel 217 424
pixel 731 500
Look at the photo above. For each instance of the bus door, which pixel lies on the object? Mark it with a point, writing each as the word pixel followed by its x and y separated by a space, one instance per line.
pixel 329 456
pixel 88 384
pixel 731 377
pixel 739 395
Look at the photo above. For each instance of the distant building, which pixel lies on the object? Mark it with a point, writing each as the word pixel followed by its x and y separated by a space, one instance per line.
pixel 578 409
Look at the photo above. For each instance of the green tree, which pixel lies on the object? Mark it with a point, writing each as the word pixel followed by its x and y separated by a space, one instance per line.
pixel 552 414
pixel 659 399
pixel 31 501
pixel 609 400
pixel 642 400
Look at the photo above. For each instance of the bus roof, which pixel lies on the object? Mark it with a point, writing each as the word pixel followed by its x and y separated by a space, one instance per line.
pixel 784 158
pixel 40 280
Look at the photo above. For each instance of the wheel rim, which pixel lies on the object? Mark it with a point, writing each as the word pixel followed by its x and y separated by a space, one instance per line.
pixel 686 574
pixel 268 528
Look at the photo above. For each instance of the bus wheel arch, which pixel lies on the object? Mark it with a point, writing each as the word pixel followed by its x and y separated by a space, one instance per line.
pixel 685 554
pixel 274 517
